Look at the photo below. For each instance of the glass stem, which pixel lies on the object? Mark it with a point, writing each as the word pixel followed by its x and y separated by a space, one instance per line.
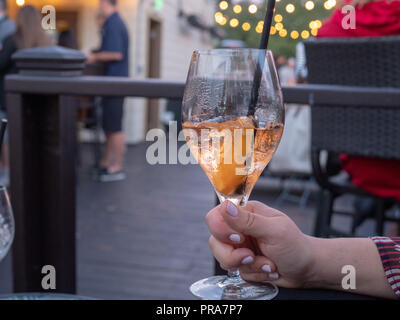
pixel 234 276
pixel 234 273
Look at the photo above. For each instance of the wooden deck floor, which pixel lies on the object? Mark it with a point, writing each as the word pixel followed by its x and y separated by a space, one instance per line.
pixel 146 238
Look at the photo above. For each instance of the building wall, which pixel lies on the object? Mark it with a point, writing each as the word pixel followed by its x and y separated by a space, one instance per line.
pixel 176 47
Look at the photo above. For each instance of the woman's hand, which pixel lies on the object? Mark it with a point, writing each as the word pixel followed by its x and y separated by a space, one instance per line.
pixel 263 243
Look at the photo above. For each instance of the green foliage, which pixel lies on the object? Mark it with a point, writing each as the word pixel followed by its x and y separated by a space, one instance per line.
pixel 298 20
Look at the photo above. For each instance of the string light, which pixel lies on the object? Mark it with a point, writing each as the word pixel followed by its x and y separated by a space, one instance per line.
pixel 253 8
pixel 259 29
pixel 20 3
pixel 273 30
pixel 223 5
pixel 234 23
pixel 261 23
pixel 219 17
pixel 278 18
pixel 314 32
pixel 290 8
pixel 309 5
pixel 237 9
pixel 283 33
pixel 246 26
pixel 279 26
pixel 294 34
pixel 330 4
pixel 313 25
pixel 305 34
pixel 319 23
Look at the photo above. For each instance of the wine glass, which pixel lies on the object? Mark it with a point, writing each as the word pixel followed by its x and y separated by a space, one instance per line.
pixel 6 223
pixel 233 120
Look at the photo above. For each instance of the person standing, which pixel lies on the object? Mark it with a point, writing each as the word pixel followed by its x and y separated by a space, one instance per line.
pixel 27 33
pixel 114 53
pixel 7 26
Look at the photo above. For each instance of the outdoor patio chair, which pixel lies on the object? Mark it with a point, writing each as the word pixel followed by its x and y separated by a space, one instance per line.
pixel 353 130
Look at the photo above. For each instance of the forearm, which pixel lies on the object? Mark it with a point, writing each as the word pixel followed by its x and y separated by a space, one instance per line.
pixel 331 255
pixel 106 56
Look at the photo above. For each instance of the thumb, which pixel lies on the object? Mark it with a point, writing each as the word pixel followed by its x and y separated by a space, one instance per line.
pixel 249 223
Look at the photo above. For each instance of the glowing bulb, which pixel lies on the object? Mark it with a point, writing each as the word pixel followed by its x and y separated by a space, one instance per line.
pixel 246 26
pixel 259 29
pixel 305 34
pixel 290 8
pixel 219 18
pixel 319 23
pixel 328 5
pixel 273 30
pixel 294 34
pixel 234 23
pixel 223 5
pixel 283 33
pixel 278 18
pixel 261 23
pixel 309 5
pixel 314 32
pixel 237 9
pixel 20 3
pixel 253 8
pixel 313 25
pixel 279 26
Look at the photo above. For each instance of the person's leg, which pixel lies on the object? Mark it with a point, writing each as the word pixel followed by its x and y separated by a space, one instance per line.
pixel 116 142
pixel 106 160
pixel 113 157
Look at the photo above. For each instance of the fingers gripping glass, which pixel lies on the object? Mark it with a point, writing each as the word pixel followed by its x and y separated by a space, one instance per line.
pixel 233 132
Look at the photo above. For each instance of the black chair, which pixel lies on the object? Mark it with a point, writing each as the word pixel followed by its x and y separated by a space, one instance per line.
pixel 353 130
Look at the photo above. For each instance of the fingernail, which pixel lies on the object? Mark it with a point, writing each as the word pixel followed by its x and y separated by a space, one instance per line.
pixel 234 238
pixel 232 210
pixel 266 268
pixel 248 260
pixel 274 275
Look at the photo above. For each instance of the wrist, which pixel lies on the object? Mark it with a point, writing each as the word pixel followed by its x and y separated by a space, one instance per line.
pixel 322 263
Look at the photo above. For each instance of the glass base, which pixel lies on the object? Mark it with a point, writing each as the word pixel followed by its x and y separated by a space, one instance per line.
pixel 228 288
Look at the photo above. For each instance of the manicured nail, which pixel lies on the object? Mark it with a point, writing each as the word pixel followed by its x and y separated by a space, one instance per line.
pixel 248 260
pixel 274 276
pixel 232 210
pixel 234 238
pixel 266 268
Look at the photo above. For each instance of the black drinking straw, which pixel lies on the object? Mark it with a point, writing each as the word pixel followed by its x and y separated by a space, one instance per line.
pixel 261 59
pixel 3 128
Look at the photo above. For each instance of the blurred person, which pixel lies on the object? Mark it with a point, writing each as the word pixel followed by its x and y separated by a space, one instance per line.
pixel 287 72
pixel 114 53
pixel 7 26
pixel 266 245
pixel 379 177
pixel 28 34
pixel 301 71
pixel 67 39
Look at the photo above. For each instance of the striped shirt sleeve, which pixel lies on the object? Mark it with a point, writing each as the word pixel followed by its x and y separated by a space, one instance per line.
pixel 389 250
